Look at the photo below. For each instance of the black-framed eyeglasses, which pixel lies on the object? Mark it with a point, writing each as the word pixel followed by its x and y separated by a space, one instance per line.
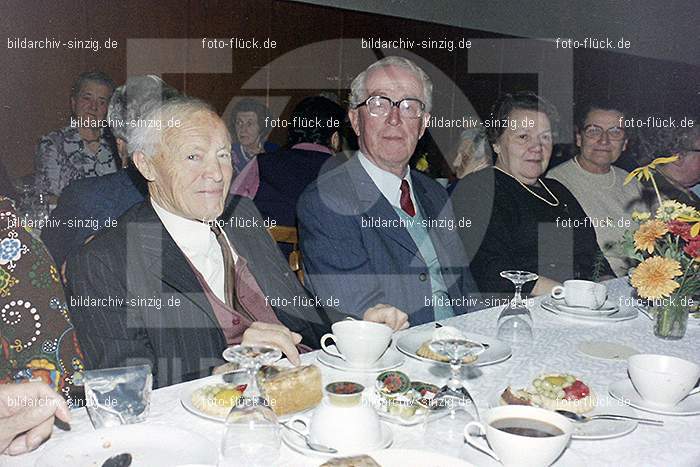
pixel 380 106
pixel 594 132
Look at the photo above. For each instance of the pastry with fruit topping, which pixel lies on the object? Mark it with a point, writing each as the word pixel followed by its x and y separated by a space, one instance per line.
pixel 553 392
pixel 217 399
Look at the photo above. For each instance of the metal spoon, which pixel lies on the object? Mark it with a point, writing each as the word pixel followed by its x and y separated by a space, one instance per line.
pixel 120 460
pixel 486 346
pixel 583 418
pixel 644 312
pixel 309 443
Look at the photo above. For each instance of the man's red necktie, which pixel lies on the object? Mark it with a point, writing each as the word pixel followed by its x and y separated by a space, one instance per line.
pixel 406 203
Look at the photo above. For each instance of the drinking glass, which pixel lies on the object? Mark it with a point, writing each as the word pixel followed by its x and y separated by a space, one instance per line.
pixel 515 321
pixel 454 393
pixel 252 432
pixel 445 434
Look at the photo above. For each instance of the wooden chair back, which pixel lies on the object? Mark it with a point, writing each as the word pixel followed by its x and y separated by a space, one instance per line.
pixel 288 234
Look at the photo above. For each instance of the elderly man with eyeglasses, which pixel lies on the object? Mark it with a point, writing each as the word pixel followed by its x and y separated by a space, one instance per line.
pixel 597 184
pixel 373 231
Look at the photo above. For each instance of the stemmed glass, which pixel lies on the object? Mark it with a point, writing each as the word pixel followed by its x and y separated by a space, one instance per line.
pixel 454 392
pixel 515 321
pixel 252 432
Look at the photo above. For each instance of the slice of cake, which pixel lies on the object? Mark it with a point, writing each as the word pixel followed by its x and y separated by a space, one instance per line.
pixel 289 390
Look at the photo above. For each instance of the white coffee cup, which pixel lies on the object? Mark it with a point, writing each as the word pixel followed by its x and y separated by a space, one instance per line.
pixel 581 293
pixel 518 450
pixel 360 343
pixel 350 430
pixel 661 379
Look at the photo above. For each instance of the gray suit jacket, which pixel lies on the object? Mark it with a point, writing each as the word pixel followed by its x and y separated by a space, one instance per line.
pixel 349 259
pixel 135 299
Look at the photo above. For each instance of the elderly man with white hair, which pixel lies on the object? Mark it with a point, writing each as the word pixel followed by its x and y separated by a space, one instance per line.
pixel 372 230
pixel 174 284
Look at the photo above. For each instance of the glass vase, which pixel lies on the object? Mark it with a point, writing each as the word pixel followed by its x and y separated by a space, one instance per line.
pixel 671 318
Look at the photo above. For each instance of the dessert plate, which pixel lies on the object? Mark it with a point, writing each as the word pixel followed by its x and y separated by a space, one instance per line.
pixel 391 359
pixel 149 445
pixel 296 442
pixel 623 314
pixel 595 429
pixel 624 391
pixel 236 378
pixel 415 458
pixel 496 351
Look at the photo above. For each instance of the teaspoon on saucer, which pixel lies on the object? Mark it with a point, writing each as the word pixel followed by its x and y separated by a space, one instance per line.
pixel 309 443
pixel 583 418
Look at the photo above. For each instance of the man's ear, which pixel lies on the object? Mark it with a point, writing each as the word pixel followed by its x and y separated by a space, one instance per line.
pixel 624 146
pixel 354 116
pixel 426 119
pixel 122 150
pixel 144 164
pixel 335 141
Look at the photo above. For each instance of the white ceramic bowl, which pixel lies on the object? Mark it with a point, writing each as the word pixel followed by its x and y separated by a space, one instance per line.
pixel 661 379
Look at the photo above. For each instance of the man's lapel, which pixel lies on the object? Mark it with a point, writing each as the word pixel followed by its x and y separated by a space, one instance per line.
pixel 374 206
pixel 164 259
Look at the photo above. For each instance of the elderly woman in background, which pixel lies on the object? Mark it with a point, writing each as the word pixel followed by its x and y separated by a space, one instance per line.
pixel 85 148
pixel 519 220
pixel 597 184
pixel 249 128
pixel 473 153
pixel 679 180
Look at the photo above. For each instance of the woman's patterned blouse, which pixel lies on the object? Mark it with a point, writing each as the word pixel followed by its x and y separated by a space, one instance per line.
pixel 62 156
pixel 37 339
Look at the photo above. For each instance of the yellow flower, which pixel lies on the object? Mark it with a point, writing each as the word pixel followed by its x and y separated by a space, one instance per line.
pixel 669 210
pixel 422 163
pixel 640 216
pixel 691 219
pixel 653 278
pixel 644 172
pixel 647 234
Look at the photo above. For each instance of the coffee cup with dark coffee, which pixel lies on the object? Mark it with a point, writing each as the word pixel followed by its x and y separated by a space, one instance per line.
pixel 521 436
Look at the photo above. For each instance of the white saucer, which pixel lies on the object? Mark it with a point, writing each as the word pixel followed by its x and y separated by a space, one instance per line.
pixel 623 314
pixel 152 445
pixel 496 351
pixel 624 390
pixel 607 308
pixel 595 429
pixel 297 443
pixel 391 359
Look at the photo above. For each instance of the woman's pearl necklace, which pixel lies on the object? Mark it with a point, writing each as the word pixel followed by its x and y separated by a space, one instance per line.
pixel 556 200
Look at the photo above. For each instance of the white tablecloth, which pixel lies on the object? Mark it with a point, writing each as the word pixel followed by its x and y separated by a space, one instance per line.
pixel 553 350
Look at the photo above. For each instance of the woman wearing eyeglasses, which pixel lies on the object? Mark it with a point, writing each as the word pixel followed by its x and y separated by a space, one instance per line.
pixel 597 184
pixel 519 220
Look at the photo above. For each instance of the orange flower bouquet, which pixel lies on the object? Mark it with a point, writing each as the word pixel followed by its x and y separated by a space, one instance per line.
pixel 666 247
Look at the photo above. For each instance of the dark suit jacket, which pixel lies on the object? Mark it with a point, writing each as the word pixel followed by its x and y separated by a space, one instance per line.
pixel 284 175
pixel 361 265
pixel 86 206
pixel 131 267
